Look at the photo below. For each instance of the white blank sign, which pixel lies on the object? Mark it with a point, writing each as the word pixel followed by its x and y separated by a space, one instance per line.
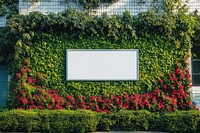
pixel 102 65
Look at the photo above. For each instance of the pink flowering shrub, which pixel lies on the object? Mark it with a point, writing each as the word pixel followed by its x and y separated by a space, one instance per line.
pixel 171 93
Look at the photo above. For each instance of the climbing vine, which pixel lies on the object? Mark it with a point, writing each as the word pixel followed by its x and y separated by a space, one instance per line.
pixel 43 40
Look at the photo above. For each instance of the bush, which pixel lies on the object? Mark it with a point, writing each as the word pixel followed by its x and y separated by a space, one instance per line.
pixel 177 122
pixel 133 121
pixel 181 122
pixel 81 121
pixel 49 121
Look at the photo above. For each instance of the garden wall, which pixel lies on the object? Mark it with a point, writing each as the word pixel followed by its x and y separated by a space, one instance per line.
pixel 161 42
pixel 40 43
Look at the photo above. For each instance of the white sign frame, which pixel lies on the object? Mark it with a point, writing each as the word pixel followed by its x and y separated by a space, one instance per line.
pixel 73 56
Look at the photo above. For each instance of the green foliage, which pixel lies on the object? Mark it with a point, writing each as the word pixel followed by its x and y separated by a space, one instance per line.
pixel 133 121
pixel 2 8
pixel 177 122
pixel 48 56
pixel 89 4
pixel 69 121
pixel 48 121
pixel 4 48
pixel 181 122
pixel 175 6
pixel 43 39
pixel 196 37
pixel 8 7
pixel 81 121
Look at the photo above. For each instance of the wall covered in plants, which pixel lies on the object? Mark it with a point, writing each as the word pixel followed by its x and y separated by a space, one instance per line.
pixel 163 42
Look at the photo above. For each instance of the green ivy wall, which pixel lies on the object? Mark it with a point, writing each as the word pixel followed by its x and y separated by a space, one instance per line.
pixel 155 60
pixel 161 39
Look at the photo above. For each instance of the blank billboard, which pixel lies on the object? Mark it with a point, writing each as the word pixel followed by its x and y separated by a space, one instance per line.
pixel 102 65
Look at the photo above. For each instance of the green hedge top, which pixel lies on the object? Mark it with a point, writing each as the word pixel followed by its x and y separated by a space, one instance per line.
pixel 81 121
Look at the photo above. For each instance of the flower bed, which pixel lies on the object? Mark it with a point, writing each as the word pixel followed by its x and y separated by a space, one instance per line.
pixel 171 93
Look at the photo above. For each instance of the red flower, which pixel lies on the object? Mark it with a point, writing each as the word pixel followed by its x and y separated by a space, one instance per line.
pixel 147 104
pixel 39 107
pixel 99 98
pixel 97 109
pixel 162 105
pixel 87 107
pixel 33 80
pixel 41 91
pixel 23 100
pixel 18 75
pixel 92 98
pixel 29 80
pixel 83 102
pixel 50 106
pixel 188 75
pixel 126 106
pixel 108 112
pixel 190 103
pixel 164 86
pixel 127 96
pixel 181 87
pixel 23 92
pixel 120 97
pixel 177 70
pixel 28 69
pixel 32 107
pixel 23 71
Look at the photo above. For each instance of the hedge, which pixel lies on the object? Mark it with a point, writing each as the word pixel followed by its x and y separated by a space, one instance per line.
pixel 48 121
pixel 86 121
pixel 177 122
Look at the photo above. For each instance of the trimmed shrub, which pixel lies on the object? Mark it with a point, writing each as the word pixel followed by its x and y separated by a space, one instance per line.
pixel 176 122
pixel 81 121
pixel 181 122
pixel 49 121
